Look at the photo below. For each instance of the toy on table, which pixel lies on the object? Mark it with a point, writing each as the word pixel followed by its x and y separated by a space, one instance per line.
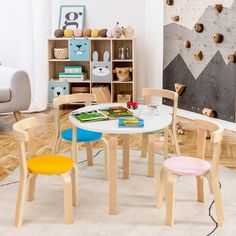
pixel 133 105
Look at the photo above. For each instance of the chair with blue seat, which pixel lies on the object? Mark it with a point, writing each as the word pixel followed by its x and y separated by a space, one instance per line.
pixel 148 94
pixel 85 136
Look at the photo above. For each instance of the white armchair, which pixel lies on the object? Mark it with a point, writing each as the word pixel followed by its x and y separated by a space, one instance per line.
pixel 15 91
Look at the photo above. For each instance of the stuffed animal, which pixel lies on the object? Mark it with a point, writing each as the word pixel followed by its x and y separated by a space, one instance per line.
pixel 94 33
pixel 57 88
pixel 59 33
pixel 87 32
pixel 116 32
pixel 68 33
pixel 78 33
pixel 102 33
pixel 79 50
pixel 101 70
pixel 128 32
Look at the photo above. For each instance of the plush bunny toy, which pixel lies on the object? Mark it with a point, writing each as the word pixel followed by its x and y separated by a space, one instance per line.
pixel 101 70
pixel 116 32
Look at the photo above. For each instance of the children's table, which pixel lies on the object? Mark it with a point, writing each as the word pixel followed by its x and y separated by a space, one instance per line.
pixel 154 120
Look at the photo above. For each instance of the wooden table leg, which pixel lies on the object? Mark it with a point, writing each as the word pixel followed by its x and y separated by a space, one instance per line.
pixel 166 144
pixel 126 154
pixel 112 174
pixel 74 171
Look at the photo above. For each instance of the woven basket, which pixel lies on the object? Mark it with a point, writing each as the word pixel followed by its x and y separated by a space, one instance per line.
pixel 123 74
pixel 61 53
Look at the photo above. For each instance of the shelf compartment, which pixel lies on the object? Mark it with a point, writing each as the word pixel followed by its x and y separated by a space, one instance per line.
pixel 126 43
pixel 122 88
pixel 100 46
pixel 102 92
pixel 56 44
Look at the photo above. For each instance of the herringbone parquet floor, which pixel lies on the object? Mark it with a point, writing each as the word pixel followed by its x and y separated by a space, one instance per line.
pixel 9 148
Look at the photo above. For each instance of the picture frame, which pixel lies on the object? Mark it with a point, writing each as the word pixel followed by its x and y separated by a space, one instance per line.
pixel 71 17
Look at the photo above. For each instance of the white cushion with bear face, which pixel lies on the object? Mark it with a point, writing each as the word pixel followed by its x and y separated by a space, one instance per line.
pixel 5 94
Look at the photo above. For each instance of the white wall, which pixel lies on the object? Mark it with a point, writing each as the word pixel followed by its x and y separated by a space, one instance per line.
pixel 105 14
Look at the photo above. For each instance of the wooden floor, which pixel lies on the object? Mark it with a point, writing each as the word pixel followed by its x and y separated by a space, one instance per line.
pixel 9 148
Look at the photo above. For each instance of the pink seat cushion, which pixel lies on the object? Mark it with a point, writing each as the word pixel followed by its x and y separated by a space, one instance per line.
pixel 187 166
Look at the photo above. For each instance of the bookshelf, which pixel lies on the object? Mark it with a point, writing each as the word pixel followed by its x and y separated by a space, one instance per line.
pixel 111 87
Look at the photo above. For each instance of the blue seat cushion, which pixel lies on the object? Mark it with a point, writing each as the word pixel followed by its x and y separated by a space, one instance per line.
pixel 82 135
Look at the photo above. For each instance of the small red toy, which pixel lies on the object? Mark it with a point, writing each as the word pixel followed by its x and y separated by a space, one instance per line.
pixel 133 105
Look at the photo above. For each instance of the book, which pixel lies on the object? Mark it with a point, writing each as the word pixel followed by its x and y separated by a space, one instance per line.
pixel 132 122
pixel 90 116
pixel 117 112
pixel 73 69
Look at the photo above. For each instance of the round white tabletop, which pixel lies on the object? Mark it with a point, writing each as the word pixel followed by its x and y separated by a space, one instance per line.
pixel 153 120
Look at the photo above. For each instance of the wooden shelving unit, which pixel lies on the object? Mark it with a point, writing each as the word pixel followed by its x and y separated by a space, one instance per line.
pixel 100 45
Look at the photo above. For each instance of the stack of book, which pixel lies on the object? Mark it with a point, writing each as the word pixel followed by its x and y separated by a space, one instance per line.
pixel 73 74
pixel 102 93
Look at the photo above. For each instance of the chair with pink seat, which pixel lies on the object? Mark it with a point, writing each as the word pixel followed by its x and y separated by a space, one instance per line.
pixel 175 167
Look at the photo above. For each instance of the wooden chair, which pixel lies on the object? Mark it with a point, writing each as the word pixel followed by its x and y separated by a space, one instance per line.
pixel 40 165
pixel 175 167
pixel 148 93
pixel 82 135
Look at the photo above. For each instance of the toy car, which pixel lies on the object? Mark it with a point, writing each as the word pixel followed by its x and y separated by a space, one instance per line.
pixel 133 105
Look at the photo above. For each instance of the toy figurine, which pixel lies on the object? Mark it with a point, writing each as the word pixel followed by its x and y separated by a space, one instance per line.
pixel 133 105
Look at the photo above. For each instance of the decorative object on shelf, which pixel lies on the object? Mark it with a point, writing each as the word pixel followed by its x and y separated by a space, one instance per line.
pixel 218 38
pixel 187 44
pixel 59 33
pixel 127 53
pixel 175 18
pixel 218 8
pixel 78 33
pixel 180 88
pixel 209 112
pixel 71 17
pixel 169 2
pixel 198 55
pixel 133 105
pixel 231 58
pixel 102 33
pixel 79 49
pixel 61 53
pixel 123 73
pixel 122 55
pixel 68 33
pixel 116 32
pixel 57 88
pixel 87 32
pixel 199 27
pixel 128 32
pixel 123 98
pixel 94 33
pixel 101 70
pixel 81 89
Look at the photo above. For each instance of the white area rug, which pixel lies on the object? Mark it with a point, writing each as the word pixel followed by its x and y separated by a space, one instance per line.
pixel 136 205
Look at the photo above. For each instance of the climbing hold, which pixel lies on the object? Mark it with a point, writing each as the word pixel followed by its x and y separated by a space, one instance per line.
pixel 175 18
pixel 179 88
pixel 169 2
pixel 198 55
pixel 209 112
pixel 231 58
pixel 218 38
pixel 187 44
pixel 218 8
pixel 199 27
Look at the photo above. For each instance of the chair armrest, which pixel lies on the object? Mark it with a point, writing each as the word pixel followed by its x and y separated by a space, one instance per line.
pixel 19 84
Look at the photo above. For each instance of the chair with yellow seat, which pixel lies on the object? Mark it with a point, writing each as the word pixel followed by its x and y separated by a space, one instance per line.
pixel 32 165
pixel 85 136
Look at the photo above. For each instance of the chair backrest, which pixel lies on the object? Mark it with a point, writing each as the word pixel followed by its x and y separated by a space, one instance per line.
pixel 86 98
pixel 25 134
pixel 216 132
pixel 148 93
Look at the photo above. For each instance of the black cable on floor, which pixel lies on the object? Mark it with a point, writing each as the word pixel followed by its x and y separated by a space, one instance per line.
pixel 212 218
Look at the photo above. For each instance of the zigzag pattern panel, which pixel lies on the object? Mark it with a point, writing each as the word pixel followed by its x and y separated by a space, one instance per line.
pixel 211 81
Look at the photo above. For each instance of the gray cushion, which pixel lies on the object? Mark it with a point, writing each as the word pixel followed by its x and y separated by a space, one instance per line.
pixel 5 94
